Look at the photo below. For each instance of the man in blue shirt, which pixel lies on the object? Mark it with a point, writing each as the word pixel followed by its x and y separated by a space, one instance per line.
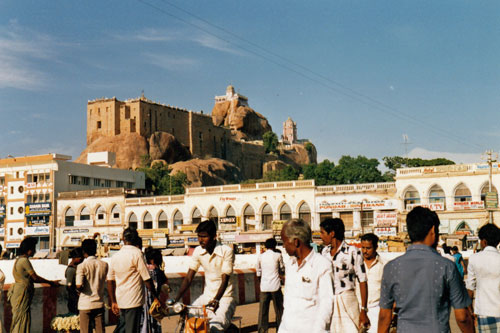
pixel 422 284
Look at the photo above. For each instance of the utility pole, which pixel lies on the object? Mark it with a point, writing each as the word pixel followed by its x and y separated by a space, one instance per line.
pixel 406 143
pixel 491 157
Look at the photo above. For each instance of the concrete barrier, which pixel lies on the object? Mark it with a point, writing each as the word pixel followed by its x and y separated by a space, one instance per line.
pixel 50 301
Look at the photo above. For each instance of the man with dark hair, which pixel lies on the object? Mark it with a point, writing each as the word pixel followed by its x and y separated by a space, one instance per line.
pixel 308 285
pixel 484 279
pixel 91 281
pixel 422 284
pixel 459 261
pixel 374 270
pixel 76 256
pixel 347 267
pixel 126 276
pixel 269 265
pixel 217 261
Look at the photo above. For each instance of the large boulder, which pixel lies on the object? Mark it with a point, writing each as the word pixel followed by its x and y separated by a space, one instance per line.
pixel 243 121
pixel 210 172
pixel 164 146
pixel 129 149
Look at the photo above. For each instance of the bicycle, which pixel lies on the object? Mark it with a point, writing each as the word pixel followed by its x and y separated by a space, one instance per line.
pixel 196 324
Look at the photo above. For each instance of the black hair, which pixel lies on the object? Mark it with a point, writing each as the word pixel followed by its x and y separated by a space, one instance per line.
pixel 270 243
pixel 336 225
pixel 137 242
pixel 89 246
pixel 371 238
pixel 446 249
pixel 130 235
pixel 420 221
pixel 77 252
pixel 455 248
pixel 207 226
pixel 155 255
pixel 29 243
pixel 490 233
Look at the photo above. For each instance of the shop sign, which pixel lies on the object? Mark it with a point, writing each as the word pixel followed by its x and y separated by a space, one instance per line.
pixel 187 227
pixel 387 231
pixel 224 199
pixel 229 219
pixel 12 245
pixel 252 238
pixel 40 230
pixel 42 221
pixel 110 238
pixel 115 221
pixel 491 200
pixel 192 240
pixel 75 231
pixel 227 226
pixel 326 206
pixel 159 242
pixel 228 237
pixel 76 240
pixel 158 234
pixel 379 204
pixel 83 223
pixel 177 241
pixel 466 205
pixel 385 219
pixel 433 206
pixel 2 211
pixel 277 225
pixel 38 209
pixel 251 222
pixel 444 227
pixel 30 185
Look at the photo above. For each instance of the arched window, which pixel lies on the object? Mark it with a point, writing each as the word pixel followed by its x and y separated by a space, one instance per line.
pixel 162 220
pixel 85 214
pixel 411 198
pixel 69 218
pixel 115 213
pixel 267 217
pixel 147 222
pixel 132 221
pixel 100 214
pixel 486 189
pixel 196 217
pixel 178 219
pixel 462 193
pixel 214 216
pixel 305 213
pixel 230 212
pixel 436 195
pixel 249 215
pixel 285 212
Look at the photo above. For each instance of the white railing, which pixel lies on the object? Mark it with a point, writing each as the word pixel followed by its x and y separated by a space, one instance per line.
pixel 251 187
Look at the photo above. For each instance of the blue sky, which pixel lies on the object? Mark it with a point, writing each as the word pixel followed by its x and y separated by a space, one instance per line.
pixel 354 75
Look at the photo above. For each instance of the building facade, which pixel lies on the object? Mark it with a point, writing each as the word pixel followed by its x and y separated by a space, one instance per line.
pixel 29 187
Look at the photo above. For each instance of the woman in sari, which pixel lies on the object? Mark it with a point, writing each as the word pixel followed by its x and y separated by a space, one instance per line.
pixel 21 293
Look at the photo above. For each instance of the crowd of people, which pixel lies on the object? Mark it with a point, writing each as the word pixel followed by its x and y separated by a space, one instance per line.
pixel 342 289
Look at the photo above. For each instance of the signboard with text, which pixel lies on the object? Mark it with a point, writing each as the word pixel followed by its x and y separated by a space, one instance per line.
pixel 38 209
pixel 2 211
pixel 491 200
pixel 432 206
pixel 40 230
pixel 386 219
pixel 385 232
pixel 327 206
pixel 466 205
pixel 227 223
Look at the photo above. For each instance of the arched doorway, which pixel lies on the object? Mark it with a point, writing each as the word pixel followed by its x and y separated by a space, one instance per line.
pixel 196 217
pixel 305 213
pixel 249 215
pixel 147 222
pixel 267 217
pixel 132 221
pixel 285 212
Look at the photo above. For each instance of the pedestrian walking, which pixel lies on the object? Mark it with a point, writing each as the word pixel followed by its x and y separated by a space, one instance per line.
pixel 348 266
pixel 269 266
pixel 308 302
pixel 422 284
pixel 76 256
pixel 217 261
pixel 127 276
pixel 374 271
pixel 154 262
pixel 483 280
pixel 459 261
pixel 21 292
pixel 91 282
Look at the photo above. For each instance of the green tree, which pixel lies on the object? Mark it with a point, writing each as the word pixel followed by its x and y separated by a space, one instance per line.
pixel 270 140
pixel 397 162
pixel 160 182
pixel 322 173
pixel 288 173
pixel 357 170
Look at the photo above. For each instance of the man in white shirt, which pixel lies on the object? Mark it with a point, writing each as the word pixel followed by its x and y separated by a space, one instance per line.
pixel 126 276
pixel 217 261
pixel 269 265
pixel 90 282
pixel 308 303
pixel 483 278
pixel 348 267
pixel 374 271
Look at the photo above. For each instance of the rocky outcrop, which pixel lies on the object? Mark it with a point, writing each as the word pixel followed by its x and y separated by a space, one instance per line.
pixel 273 166
pixel 244 122
pixel 210 172
pixel 164 146
pixel 129 149
pixel 298 154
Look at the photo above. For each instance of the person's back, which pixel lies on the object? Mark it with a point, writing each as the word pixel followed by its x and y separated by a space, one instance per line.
pixel 94 272
pixel 270 263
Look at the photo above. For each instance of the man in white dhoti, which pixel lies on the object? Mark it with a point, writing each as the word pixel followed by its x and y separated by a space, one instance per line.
pixel 348 266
